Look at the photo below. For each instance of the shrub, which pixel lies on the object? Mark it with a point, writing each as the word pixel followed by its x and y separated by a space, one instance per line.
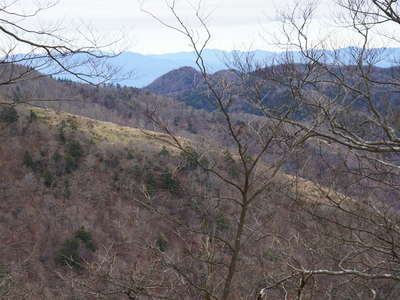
pixel 69 254
pixel 204 162
pixel 3 273
pixel 37 166
pixel 164 151
pixel 221 222
pixel 74 152
pixel 9 115
pixel 161 244
pixel 48 178
pixel 218 222
pixel 86 238
pixel 190 158
pixel 28 160
pixel 169 183
pixel 151 184
pixel 75 149
pixel 70 164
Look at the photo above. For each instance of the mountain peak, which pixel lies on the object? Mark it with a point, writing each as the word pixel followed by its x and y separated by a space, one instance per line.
pixel 178 80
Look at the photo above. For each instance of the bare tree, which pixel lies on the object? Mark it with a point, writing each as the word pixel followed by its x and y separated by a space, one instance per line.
pixel 348 102
pixel 247 183
pixel 358 104
pixel 29 51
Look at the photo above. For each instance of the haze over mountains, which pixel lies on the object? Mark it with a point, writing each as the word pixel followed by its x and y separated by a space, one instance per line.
pixel 148 67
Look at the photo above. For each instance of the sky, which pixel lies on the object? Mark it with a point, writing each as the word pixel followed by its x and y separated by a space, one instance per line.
pixel 234 24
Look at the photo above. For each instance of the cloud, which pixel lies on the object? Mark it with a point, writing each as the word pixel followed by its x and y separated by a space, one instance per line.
pixel 231 21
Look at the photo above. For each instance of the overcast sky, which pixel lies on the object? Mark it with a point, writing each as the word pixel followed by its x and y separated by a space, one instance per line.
pixel 235 24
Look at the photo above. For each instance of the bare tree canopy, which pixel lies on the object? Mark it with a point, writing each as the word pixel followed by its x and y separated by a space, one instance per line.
pixel 333 97
pixel 52 49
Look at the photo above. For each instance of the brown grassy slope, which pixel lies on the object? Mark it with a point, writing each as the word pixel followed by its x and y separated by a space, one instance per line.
pixel 129 107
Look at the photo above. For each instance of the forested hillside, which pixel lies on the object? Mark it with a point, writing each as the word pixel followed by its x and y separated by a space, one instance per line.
pixel 274 178
pixel 91 209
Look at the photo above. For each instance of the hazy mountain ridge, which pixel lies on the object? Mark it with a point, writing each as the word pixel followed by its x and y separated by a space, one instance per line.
pixel 148 67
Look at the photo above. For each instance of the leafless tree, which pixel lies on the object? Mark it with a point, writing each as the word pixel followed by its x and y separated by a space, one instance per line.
pixel 358 104
pixel 248 183
pixel 28 51
pixel 350 104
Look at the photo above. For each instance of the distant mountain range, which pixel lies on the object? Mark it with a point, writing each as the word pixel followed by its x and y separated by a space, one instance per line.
pixel 147 68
